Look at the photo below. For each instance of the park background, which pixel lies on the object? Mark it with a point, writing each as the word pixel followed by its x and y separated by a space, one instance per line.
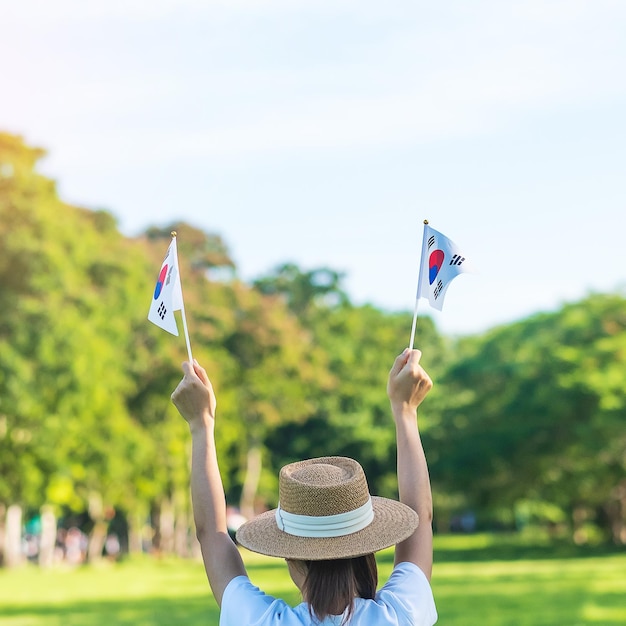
pixel 523 429
pixel 296 147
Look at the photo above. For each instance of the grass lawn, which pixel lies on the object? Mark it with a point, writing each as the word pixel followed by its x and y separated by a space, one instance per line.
pixel 495 584
pixel 480 579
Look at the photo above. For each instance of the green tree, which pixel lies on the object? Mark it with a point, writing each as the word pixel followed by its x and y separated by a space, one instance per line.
pixel 304 291
pixel 532 412
pixel 277 373
pixel 352 418
pixel 69 306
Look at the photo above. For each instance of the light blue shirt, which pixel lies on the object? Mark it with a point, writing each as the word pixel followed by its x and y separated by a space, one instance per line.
pixel 405 600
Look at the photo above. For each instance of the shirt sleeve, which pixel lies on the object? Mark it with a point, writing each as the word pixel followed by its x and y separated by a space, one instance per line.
pixel 244 603
pixel 409 593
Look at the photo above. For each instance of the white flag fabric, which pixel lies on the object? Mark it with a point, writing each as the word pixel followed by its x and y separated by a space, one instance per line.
pixel 441 262
pixel 168 294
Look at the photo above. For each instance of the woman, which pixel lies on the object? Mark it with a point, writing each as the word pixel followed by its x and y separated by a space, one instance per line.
pixel 327 526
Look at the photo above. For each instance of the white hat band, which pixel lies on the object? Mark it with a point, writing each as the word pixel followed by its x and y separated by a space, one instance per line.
pixel 325 525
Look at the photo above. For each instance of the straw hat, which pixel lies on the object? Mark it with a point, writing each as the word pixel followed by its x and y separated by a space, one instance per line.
pixel 325 511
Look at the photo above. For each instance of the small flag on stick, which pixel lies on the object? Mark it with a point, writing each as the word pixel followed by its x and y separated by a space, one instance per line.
pixel 440 263
pixel 168 295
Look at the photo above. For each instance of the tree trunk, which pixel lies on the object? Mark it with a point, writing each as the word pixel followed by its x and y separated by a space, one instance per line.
pixel 166 527
pixel 181 533
pixel 3 511
pixel 135 532
pixel 47 543
pixel 13 536
pixel 98 535
pixel 251 483
pixel 580 515
pixel 616 512
pixel 155 521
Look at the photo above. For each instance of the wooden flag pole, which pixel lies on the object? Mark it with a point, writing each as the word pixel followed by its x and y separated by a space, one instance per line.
pixel 182 305
pixel 419 288
pixel 182 310
pixel 414 325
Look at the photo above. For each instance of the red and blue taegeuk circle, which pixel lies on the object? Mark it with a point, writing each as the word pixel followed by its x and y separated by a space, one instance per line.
pixel 161 281
pixel 435 263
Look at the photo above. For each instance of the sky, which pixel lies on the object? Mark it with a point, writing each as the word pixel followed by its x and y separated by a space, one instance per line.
pixel 324 132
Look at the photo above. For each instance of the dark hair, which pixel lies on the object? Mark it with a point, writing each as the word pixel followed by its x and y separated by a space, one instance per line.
pixel 331 586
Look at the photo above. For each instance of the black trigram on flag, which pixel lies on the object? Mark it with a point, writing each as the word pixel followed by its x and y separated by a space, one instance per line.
pixel 437 290
pixel 457 259
pixel 431 241
pixel 162 311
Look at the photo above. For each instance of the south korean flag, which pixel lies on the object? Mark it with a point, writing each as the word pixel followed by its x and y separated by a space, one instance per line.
pixel 168 295
pixel 441 262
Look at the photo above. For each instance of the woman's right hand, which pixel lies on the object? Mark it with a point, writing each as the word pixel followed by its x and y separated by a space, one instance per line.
pixel 408 382
pixel 194 397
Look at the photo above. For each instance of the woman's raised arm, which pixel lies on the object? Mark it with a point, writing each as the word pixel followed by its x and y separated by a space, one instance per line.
pixel 195 400
pixel 407 386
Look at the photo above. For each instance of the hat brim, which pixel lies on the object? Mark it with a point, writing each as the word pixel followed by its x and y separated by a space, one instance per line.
pixel 393 522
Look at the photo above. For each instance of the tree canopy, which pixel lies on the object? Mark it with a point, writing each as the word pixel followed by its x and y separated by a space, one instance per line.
pixel 525 421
